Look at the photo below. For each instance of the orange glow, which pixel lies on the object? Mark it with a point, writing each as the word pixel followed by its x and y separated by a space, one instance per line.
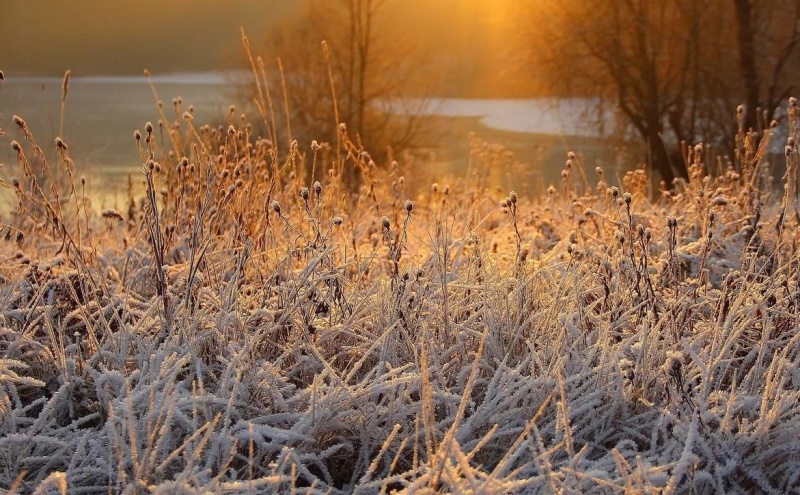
pixel 471 41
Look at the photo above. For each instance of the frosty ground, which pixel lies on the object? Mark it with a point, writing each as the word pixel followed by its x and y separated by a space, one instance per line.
pixel 254 324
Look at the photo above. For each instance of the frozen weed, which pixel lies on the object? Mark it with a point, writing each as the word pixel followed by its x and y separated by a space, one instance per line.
pixel 250 326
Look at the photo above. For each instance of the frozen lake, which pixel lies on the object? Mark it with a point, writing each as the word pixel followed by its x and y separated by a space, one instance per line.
pixel 549 116
pixel 102 113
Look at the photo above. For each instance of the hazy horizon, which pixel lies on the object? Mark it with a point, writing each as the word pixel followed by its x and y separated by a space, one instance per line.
pixel 121 38
pixel 48 37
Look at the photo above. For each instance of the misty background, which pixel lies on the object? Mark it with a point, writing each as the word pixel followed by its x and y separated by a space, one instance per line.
pixel 469 39
pixel 466 68
pixel 624 84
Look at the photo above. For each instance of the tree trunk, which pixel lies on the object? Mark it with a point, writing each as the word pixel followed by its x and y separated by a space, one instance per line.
pixel 665 161
pixel 745 35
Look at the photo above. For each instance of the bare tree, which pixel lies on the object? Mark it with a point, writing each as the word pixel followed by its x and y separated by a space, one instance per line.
pixel 767 34
pixel 670 70
pixel 365 65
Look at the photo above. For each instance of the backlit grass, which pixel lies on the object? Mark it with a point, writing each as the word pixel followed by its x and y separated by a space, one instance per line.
pixel 253 324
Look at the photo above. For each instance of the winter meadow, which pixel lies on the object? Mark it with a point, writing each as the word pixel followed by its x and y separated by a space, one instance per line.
pixel 268 314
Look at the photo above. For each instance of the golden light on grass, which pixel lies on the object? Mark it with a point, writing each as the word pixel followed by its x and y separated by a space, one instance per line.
pixel 251 324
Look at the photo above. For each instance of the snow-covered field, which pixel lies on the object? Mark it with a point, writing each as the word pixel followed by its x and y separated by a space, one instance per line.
pixel 242 329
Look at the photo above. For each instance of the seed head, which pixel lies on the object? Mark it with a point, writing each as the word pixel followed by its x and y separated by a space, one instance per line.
pixel 788 150
pixel 337 221
pixel 385 223
pixel 672 365
pixel 513 197
pixel 317 188
pixel 112 214
pixel 672 222
pixel 60 144
pixel 187 116
pixel 304 193
pixel 20 122
pixel 792 102
pixel 276 207
pixel 628 198
pixel 16 147
pixel 148 127
pixel 409 206
pixel 614 191
pixel 571 155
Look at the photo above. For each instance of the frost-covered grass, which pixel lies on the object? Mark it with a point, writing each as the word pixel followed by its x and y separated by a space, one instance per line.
pixel 243 328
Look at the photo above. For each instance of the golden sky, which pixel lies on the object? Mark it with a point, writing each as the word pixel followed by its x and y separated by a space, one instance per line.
pixel 115 37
